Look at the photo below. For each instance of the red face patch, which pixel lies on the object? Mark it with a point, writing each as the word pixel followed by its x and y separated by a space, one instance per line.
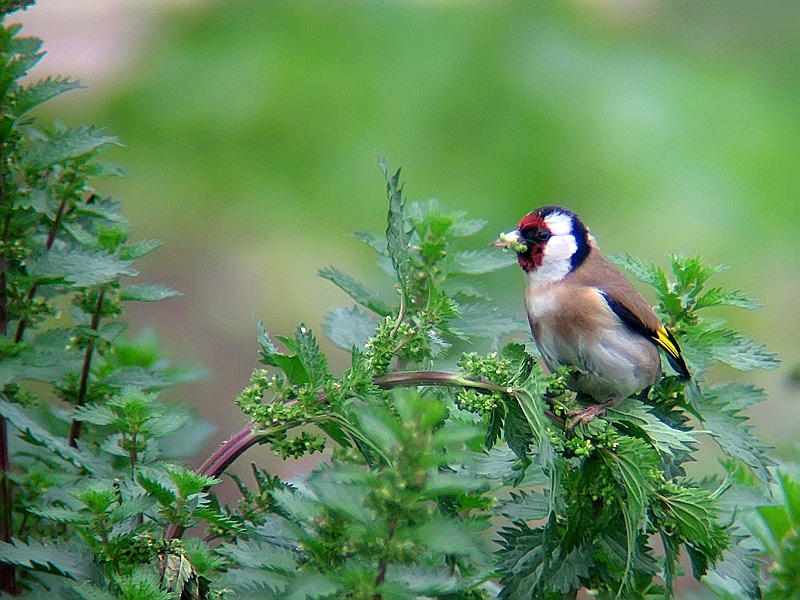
pixel 528 227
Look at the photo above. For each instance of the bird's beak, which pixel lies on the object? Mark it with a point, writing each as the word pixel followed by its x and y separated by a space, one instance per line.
pixel 511 240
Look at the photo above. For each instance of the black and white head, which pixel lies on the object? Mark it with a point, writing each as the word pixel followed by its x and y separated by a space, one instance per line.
pixel 550 243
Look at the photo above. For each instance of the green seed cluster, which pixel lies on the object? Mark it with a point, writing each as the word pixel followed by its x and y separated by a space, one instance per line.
pixel 487 368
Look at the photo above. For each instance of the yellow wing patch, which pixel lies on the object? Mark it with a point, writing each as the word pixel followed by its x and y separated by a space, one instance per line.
pixel 664 338
pixel 667 342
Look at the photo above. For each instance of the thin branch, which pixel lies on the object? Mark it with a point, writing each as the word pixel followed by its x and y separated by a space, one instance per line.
pixel 75 428
pixel 51 236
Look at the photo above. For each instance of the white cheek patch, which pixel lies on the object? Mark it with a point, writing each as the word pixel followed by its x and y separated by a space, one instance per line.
pixel 557 260
pixel 559 223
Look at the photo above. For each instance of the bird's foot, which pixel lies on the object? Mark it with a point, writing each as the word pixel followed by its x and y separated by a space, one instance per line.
pixel 585 415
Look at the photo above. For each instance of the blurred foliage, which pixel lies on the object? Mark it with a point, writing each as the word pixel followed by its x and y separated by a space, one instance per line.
pixel 251 129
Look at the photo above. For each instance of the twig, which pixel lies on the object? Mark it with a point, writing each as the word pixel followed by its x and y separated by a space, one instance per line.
pixel 75 428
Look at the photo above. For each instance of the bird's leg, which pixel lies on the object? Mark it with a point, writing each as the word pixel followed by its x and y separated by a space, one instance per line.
pixel 585 415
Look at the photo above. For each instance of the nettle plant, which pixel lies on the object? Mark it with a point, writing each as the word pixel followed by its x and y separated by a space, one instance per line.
pixel 449 474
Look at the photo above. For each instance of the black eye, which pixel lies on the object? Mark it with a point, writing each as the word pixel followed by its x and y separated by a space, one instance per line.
pixel 537 236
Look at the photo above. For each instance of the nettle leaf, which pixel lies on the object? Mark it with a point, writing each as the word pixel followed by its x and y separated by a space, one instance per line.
pixel 645 271
pixel 82 268
pixel 27 97
pixel 260 555
pixel 355 290
pixel 738 396
pixel 164 495
pixel 398 229
pixel 525 506
pixel 147 292
pixel 259 581
pixel 737 572
pixel 533 563
pixel 477 262
pixel 69 560
pixel 736 439
pixel 38 435
pixel 349 328
pixel 314 361
pixel 483 320
pixel 720 297
pixel 139 249
pixel 666 439
pixel 67 145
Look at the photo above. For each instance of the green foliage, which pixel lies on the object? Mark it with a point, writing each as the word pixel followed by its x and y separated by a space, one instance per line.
pixel 401 508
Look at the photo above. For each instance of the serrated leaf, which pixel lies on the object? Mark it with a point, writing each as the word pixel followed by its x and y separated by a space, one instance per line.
pixel 532 564
pixel 524 506
pixel 349 328
pixel 136 377
pixel 314 361
pixel 260 555
pixel 147 292
pixel 66 145
pixel 398 230
pixel 424 581
pixel 738 396
pixel 719 297
pixel 373 240
pixel 477 262
pixel 356 290
pixel 65 559
pixel 253 580
pixel 644 271
pixel 484 320
pixel 139 249
pixel 159 491
pixel 30 96
pixel 87 591
pixel 312 586
pixel 735 438
pixel 737 572
pixel 36 434
pixel 178 571
pixel 82 268
pixel 666 439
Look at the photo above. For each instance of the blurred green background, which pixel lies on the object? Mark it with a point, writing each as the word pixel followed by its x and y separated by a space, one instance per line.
pixel 251 131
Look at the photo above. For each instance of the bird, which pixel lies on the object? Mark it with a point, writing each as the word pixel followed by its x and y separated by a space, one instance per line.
pixel 584 313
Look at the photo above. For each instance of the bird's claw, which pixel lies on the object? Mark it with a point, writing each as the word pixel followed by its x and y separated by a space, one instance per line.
pixel 586 415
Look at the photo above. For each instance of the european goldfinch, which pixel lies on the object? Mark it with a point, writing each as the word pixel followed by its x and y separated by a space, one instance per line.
pixel 585 314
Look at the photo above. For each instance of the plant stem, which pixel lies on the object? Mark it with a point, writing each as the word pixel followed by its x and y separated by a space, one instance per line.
pixel 75 428
pixel 51 236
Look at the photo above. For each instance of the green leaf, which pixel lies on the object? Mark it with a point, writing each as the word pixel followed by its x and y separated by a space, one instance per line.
pixel 349 328
pixel 738 396
pixel 719 297
pixel 398 229
pixel 254 580
pixel 87 591
pixel 66 145
pixel 478 262
pixel 311 586
pixel 138 249
pixel 82 268
pixel 355 290
pixel 160 492
pixel 525 506
pixel 484 320
pixel 38 435
pixel 147 292
pixel 644 271
pixel 69 560
pixel 260 555
pixel 666 439
pixel 737 572
pixel 30 96
pixel 534 564
pixel 734 438
pixel 314 361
